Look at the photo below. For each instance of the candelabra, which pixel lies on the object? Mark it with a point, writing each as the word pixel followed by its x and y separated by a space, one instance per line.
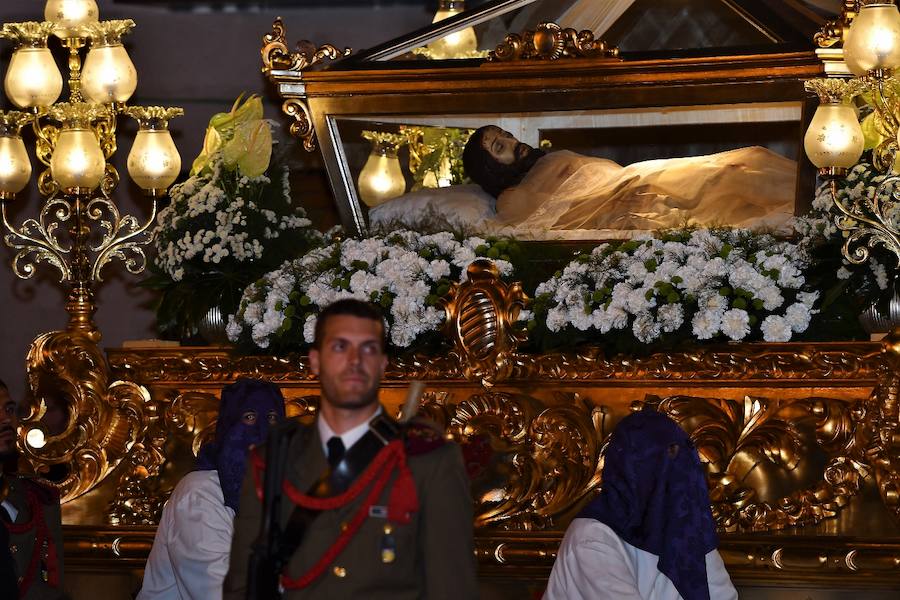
pixel 80 229
pixel 835 141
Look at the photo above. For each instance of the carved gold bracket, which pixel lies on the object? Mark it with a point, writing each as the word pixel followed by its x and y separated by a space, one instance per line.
pixel 739 440
pixel 277 57
pixel 551 42
pixel 482 315
pixel 834 30
pixel 106 420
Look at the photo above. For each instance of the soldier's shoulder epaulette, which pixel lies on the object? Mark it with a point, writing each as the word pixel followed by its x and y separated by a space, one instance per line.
pixel 46 492
pixel 422 436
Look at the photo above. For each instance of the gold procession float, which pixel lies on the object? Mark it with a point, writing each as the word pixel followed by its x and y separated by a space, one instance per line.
pixel 801 440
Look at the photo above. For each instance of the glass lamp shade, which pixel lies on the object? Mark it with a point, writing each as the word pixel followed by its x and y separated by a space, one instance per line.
pixel 70 16
pixel 873 40
pixel 834 137
pixel 455 44
pixel 33 79
pixel 15 167
pixel 77 160
pixel 108 75
pixel 381 178
pixel 154 162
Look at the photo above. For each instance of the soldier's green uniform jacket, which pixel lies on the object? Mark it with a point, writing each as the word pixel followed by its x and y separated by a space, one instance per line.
pixel 35 538
pixel 432 557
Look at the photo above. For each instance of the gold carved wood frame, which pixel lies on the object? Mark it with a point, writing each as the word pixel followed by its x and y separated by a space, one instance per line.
pixel 318 94
pixel 801 441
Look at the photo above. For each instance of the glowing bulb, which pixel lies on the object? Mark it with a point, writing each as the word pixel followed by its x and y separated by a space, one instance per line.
pixel 15 168
pixel 33 79
pixel 834 137
pixel 77 161
pixel 154 162
pixel 108 75
pixel 455 44
pixel 873 40
pixel 381 178
pixel 35 438
pixel 70 16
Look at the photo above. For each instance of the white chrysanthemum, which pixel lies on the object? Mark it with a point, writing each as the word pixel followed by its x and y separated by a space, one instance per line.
pixel 798 316
pixel 706 324
pixel 736 323
pixel 775 329
pixel 671 317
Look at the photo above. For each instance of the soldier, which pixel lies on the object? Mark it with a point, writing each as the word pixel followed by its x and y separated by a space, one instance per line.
pixel 29 511
pixel 371 509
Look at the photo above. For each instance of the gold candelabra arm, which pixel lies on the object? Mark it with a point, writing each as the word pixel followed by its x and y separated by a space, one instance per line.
pixel 866 231
pixel 123 238
pixel 36 240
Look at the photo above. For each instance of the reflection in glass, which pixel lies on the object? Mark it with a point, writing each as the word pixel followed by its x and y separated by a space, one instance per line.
pixel 455 45
pixel 381 178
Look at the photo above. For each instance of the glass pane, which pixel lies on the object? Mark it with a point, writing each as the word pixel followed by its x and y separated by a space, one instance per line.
pixel 409 171
pixel 467 29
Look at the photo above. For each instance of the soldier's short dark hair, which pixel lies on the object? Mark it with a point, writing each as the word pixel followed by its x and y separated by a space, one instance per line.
pixel 354 308
pixel 3 385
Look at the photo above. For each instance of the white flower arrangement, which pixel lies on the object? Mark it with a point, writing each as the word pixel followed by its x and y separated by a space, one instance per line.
pixel 229 223
pixel 698 283
pixel 405 273
pixel 220 216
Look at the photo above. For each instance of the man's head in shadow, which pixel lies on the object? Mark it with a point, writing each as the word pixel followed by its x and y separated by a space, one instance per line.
pixel 496 160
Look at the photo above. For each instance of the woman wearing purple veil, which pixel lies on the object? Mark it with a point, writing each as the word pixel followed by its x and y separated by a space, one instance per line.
pixel 650 534
pixel 189 558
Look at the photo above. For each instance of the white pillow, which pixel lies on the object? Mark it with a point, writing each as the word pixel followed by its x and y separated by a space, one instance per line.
pixel 462 205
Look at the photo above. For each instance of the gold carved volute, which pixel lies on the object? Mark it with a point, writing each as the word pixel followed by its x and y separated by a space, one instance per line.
pixel 551 42
pixel 105 419
pixel 738 439
pixel 482 315
pixel 277 59
pixel 529 463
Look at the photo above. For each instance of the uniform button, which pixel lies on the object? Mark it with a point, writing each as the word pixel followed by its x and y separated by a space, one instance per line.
pixel 340 572
pixel 344 527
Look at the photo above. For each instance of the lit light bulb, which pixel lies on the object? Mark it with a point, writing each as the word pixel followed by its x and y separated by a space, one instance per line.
pixel 834 138
pixel 77 161
pixel 873 40
pixel 154 162
pixel 458 43
pixel 33 79
pixel 70 16
pixel 381 178
pixel 15 167
pixel 36 438
pixel 108 74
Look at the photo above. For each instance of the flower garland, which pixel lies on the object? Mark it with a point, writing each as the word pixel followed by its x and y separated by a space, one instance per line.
pixel 699 283
pixel 404 272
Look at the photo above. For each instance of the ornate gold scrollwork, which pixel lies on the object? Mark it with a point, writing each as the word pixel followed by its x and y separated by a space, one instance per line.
pixel 883 412
pixel 747 362
pixel 551 42
pixel 482 315
pixel 530 463
pixel 105 419
pixel 834 30
pixel 277 57
pixel 735 438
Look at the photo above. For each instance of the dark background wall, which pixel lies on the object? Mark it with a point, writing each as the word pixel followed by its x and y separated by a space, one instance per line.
pixel 200 61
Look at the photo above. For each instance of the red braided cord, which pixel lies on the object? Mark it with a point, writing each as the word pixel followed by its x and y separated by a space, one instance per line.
pixel 389 455
pixel 37 523
pixel 344 538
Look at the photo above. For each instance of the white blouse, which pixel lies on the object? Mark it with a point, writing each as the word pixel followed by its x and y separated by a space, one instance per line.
pixel 594 563
pixel 189 559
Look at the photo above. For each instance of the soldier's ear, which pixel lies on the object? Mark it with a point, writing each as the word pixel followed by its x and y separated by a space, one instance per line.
pixel 314 361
